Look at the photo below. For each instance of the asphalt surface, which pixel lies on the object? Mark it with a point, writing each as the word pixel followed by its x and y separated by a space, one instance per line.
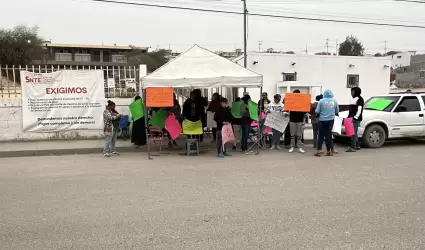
pixel 372 199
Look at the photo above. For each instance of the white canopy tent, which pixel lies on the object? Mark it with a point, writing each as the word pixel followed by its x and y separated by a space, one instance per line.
pixel 200 68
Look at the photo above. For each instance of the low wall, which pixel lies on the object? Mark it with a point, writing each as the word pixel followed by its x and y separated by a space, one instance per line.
pixel 11 123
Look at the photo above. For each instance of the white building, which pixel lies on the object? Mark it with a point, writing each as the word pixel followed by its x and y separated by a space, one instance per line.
pixel 314 73
pixel 401 59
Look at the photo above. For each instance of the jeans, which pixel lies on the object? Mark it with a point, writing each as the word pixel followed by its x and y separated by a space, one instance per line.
pixel 296 134
pixel 214 133
pixel 315 124
pixel 354 139
pixel 276 137
pixel 245 134
pixel 110 143
pixel 325 134
pixel 220 147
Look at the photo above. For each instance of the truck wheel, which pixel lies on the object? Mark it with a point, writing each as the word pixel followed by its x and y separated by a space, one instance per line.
pixel 374 136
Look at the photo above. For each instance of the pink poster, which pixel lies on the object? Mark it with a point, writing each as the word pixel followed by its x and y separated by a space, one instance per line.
pixel 349 126
pixel 227 134
pixel 173 126
pixel 267 129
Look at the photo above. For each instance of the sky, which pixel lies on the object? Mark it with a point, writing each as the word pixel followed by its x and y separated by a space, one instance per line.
pixel 89 22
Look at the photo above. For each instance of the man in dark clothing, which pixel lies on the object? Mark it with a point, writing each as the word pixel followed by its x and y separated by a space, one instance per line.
pixel 355 112
pixel 222 117
pixel 213 107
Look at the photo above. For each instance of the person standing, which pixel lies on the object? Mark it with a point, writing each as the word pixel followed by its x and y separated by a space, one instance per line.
pixel 296 127
pixel 237 130
pixel 355 112
pixel 262 104
pixel 213 107
pixel 326 109
pixel 109 118
pixel 245 122
pixel 222 117
pixel 315 119
pixel 276 106
pixel 138 134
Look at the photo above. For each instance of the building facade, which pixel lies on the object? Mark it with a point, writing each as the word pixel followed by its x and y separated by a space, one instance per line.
pixel 411 75
pixel 88 55
pixel 314 73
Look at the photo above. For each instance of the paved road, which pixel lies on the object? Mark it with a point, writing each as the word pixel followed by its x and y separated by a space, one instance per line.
pixel 373 199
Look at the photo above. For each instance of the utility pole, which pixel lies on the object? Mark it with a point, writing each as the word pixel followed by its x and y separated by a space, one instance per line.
pixel 385 48
pixel 259 45
pixel 245 13
pixel 306 49
pixel 327 46
pixel 336 47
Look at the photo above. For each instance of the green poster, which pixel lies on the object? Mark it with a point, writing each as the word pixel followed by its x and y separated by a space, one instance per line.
pixel 253 110
pixel 379 104
pixel 236 110
pixel 158 119
pixel 137 110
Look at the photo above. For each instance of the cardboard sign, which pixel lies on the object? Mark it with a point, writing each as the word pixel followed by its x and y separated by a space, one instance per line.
pixel 297 102
pixel 137 110
pixel 253 110
pixel 158 119
pixel 337 128
pixel 192 128
pixel 173 126
pixel 278 121
pixel 159 97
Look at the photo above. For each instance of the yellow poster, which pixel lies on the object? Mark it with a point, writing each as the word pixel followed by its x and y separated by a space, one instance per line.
pixel 192 128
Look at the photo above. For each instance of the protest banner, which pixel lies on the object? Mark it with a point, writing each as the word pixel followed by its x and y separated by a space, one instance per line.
pixel 158 119
pixel 210 120
pixel 62 100
pixel 253 110
pixel 337 127
pixel 227 134
pixel 159 97
pixel 236 110
pixel 137 110
pixel 192 128
pixel 173 126
pixel 297 102
pixel 379 104
pixel 277 121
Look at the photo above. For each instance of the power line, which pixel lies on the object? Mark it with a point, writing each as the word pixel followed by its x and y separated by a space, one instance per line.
pixel 410 1
pixel 264 15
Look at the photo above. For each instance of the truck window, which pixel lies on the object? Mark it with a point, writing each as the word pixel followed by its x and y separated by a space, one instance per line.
pixel 411 103
pixel 393 98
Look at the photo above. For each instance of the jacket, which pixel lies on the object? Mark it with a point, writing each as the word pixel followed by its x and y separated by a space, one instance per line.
pixel 221 116
pixel 108 118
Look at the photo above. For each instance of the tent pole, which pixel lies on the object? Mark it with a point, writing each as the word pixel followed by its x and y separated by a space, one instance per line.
pixel 146 124
pixel 260 131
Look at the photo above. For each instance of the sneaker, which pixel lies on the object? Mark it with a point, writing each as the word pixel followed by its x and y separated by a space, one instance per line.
pixel 350 150
pixel 106 155
pixel 278 148
pixel 234 148
pixel 291 150
pixel 301 150
pixel 227 154
pixel 175 143
pixel 272 148
pixel 115 153
pixel 220 155
pixel 358 148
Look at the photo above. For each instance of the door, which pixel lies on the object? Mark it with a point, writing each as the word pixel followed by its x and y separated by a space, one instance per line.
pixel 407 118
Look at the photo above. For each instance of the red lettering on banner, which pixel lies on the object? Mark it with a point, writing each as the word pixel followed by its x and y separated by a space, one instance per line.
pixel 32 79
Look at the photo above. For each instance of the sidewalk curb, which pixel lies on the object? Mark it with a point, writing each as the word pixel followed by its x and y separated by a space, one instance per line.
pixel 85 151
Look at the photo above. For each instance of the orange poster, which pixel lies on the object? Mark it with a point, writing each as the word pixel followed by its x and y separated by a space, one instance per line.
pixel 297 102
pixel 159 97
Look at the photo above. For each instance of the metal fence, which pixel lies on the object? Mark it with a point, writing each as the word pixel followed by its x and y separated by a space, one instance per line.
pixel 10 82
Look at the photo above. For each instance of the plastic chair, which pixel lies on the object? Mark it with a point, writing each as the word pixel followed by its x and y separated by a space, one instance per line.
pixel 157 135
pixel 124 126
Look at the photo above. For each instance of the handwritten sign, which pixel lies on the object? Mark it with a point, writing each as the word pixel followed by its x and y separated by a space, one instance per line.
pixel 137 110
pixel 297 102
pixel 277 120
pixel 337 127
pixel 173 126
pixel 159 97
pixel 227 134
pixel 192 128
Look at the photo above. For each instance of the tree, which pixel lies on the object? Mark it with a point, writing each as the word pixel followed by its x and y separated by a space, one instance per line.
pixel 153 60
pixel 351 47
pixel 270 50
pixel 20 45
pixel 390 53
pixel 378 55
pixel 289 52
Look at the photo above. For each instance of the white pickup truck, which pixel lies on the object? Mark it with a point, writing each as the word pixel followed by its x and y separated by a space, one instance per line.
pixel 403 118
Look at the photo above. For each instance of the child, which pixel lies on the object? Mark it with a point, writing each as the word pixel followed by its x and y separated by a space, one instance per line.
pixel 222 117
pixel 276 106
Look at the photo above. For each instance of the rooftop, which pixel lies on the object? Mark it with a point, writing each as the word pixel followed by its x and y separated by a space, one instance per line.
pixel 91 46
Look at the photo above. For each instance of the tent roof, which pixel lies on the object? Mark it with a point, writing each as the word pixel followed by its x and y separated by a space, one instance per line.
pixel 201 68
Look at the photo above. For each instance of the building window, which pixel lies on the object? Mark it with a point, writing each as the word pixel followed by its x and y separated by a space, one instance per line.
pixel 352 81
pixel 398 57
pixel 289 77
pixel 421 74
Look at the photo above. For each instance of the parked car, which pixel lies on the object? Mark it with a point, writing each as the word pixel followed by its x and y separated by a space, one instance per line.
pixel 403 118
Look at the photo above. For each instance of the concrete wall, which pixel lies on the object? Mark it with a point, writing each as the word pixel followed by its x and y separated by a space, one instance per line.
pixel 316 73
pixel 11 123
pixel 400 59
